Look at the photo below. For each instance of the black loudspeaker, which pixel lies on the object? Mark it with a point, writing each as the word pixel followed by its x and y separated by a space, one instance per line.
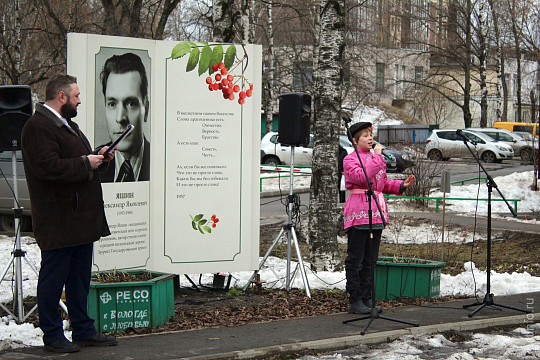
pixel 294 119
pixel 15 109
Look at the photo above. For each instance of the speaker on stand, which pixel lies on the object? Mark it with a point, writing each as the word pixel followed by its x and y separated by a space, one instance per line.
pixel 294 119
pixel 294 123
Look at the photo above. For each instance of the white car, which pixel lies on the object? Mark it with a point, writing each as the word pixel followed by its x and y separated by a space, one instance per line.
pixel 444 144
pixel 273 153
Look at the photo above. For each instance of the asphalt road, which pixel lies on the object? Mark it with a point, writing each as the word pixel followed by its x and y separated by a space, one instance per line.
pixel 460 169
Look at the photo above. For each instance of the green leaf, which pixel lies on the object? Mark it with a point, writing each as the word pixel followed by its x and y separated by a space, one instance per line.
pixel 194 225
pixel 202 232
pixel 198 217
pixel 229 56
pixel 203 221
pixel 204 62
pixel 193 59
pixel 207 229
pixel 180 50
pixel 217 56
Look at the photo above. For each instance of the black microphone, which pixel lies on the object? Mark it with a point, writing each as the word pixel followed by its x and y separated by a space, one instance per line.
pixel 387 154
pixel 346 119
pixel 464 137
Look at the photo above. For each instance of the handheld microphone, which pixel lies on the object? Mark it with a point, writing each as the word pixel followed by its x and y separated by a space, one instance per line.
pixel 385 153
pixel 464 137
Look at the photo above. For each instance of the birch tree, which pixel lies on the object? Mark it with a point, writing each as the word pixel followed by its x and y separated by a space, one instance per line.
pixel 224 17
pixel 326 110
pixel 268 75
pixel 502 97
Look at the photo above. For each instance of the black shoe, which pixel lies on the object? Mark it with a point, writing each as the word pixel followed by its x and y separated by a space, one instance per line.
pixel 62 346
pixel 98 339
pixel 369 304
pixel 358 307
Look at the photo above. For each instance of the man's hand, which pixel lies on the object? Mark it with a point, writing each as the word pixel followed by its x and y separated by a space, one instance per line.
pixel 95 161
pixel 106 157
pixel 409 181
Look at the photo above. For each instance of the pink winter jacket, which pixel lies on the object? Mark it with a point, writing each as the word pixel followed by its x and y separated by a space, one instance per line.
pixel 356 206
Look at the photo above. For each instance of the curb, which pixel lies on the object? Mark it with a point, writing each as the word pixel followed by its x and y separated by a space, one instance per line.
pixel 355 340
pixel 284 192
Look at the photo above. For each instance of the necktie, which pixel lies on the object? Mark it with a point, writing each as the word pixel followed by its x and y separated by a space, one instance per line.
pixel 126 173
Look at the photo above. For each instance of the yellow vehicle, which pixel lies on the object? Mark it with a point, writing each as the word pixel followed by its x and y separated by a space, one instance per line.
pixel 518 126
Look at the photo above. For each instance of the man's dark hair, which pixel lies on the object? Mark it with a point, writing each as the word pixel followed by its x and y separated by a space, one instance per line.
pixel 121 64
pixel 57 84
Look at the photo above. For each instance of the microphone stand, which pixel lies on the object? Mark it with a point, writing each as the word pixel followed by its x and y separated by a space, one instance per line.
pixel 374 314
pixel 488 298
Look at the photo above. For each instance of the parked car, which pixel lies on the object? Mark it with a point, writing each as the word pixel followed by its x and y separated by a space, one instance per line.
pixel 529 138
pixel 520 146
pixel 404 159
pixel 273 153
pixel 6 194
pixel 444 144
pixel 391 162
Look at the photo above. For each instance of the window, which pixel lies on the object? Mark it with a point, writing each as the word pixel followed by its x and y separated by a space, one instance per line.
pixel 347 75
pixel 379 80
pixel 302 75
pixel 418 76
pixel 505 137
pixel 396 82
pixel 447 135
pixel 475 138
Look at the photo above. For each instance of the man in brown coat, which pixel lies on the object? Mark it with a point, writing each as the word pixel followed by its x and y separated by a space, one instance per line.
pixel 67 213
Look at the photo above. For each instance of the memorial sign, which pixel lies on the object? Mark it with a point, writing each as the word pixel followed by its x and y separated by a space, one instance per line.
pixel 187 199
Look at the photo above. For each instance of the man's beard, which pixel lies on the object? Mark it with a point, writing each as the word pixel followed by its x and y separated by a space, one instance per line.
pixel 68 111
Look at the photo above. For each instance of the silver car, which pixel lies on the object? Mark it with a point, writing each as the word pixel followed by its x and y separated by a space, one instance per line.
pixel 520 146
pixel 444 144
pixel 6 192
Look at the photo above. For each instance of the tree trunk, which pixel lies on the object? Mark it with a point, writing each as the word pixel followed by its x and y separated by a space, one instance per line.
pixel 467 117
pixel 168 8
pixel 269 74
pixel 223 21
pixel 482 35
pixel 501 81
pixel 327 111
pixel 517 49
pixel 17 47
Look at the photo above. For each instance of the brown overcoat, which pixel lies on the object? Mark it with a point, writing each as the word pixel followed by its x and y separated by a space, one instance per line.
pixel 65 193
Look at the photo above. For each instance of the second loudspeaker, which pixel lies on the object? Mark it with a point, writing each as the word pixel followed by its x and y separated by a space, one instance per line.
pixel 294 119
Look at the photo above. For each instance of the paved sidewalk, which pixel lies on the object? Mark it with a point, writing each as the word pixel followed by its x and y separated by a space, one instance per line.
pixel 321 333
pixel 497 222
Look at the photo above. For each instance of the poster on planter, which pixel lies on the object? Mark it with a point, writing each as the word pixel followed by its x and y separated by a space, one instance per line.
pixel 181 195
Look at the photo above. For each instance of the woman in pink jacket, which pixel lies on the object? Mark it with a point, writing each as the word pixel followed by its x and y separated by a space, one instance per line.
pixel 361 252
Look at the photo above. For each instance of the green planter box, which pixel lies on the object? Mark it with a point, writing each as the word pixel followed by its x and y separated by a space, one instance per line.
pixel 121 305
pixel 407 279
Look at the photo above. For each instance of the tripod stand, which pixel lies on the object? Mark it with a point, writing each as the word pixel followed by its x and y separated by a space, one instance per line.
pixel 488 298
pixel 291 239
pixel 374 313
pixel 16 255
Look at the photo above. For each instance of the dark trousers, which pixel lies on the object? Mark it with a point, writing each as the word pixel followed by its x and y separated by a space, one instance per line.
pixel 72 267
pixel 361 255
